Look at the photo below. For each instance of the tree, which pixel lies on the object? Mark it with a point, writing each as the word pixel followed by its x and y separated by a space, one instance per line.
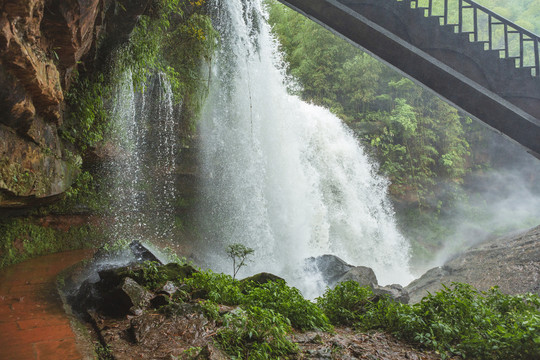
pixel 238 253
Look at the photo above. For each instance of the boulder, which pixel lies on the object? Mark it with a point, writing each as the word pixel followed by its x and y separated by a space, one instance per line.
pixel 331 267
pixel 361 274
pixel 28 173
pixel 395 291
pixel 261 278
pixel 142 253
pixel 168 289
pixel 512 263
pixel 128 298
pixel 334 271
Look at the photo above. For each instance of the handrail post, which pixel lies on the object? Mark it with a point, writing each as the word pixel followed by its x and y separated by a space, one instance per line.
pixel 460 13
pixel 536 59
pixel 430 7
pixel 506 47
pixel 521 56
pixel 490 32
pixel 445 12
pixel 475 22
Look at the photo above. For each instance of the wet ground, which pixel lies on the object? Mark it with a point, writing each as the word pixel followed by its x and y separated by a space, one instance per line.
pixel 33 323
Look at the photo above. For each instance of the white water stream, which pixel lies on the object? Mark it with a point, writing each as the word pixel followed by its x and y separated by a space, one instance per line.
pixel 282 176
pixel 145 143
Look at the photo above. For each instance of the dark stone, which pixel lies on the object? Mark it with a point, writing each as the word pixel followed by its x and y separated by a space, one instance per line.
pixel 128 298
pixel 87 298
pixel 331 267
pixel 159 301
pixel 174 271
pixel 169 288
pixel 142 253
pixel 362 275
pixel 112 277
pixel 395 292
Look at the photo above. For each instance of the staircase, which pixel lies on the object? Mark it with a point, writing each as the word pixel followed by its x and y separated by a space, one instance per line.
pixel 475 59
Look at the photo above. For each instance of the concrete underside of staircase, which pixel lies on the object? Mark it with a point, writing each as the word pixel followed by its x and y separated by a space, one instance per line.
pixel 477 81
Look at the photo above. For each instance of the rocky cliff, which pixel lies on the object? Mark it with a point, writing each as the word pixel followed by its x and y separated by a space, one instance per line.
pixel 512 263
pixel 43 45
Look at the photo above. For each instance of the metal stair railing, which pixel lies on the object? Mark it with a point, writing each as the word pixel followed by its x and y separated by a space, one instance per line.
pixel 485 27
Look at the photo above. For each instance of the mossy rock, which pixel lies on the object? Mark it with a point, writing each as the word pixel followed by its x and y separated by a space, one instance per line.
pixel 261 278
pixel 145 274
pixel 177 272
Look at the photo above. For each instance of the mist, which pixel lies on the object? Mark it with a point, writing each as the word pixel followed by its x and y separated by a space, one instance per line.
pixel 498 201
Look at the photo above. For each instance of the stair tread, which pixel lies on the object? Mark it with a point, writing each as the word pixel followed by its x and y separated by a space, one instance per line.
pixel 411 13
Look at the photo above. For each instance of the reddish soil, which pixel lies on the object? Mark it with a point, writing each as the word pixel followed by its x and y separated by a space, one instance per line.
pixel 33 323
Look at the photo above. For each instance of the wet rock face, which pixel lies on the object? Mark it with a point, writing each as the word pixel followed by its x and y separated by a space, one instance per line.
pixel 334 271
pixel 512 263
pixel 361 274
pixel 42 43
pixel 331 267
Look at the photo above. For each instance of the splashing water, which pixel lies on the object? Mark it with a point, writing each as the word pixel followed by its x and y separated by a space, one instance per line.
pixel 143 189
pixel 282 176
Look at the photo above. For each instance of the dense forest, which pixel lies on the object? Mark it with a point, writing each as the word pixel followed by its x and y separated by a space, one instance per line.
pixel 427 148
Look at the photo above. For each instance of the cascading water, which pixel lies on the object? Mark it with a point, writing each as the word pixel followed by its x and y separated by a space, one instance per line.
pixel 282 176
pixel 143 190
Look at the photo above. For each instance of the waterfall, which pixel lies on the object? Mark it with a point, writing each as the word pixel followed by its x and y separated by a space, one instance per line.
pixel 144 135
pixel 282 176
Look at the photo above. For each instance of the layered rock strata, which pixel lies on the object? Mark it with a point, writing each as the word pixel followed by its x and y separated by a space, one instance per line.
pixel 43 44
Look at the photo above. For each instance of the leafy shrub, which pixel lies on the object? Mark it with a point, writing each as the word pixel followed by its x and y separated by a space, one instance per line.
pixel 87 122
pixel 210 309
pixel 289 302
pixel 344 304
pixel 458 321
pixel 24 239
pixel 277 296
pixel 219 288
pixel 151 275
pixel 256 333
pixel 481 325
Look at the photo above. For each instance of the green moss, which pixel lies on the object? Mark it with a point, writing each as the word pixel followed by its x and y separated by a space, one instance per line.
pixel 88 120
pixel 21 181
pixel 22 239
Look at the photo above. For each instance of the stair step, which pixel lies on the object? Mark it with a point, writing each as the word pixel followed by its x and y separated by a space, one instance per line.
pixel 446 35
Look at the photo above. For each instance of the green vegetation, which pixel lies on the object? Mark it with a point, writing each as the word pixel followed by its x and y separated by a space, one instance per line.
pixel 454 321
pixel 416 137
pixel 174 37
pixel 22 181
pixel 238 254
pixel 259 317
pixel 423 145
pixel 24 239
pixel 426 148
pixel 87 121
pixel 274 295
pixel 255 333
